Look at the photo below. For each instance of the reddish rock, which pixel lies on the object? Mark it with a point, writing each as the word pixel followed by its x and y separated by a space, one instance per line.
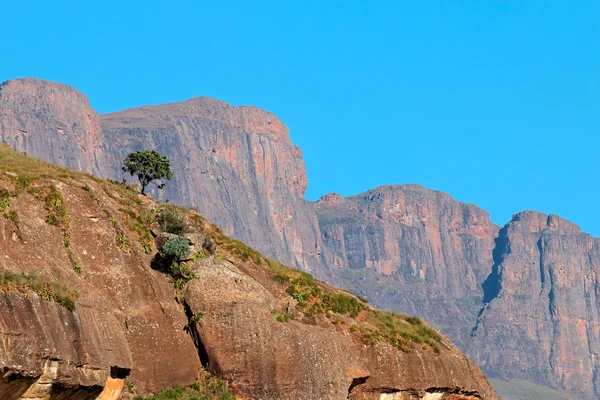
pixel 541 320
pixel 126 315
pixel 50 121
pixel 413 250
pixel 307 358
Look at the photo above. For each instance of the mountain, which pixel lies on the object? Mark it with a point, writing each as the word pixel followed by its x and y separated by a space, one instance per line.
pixel 406 248
pixel 91 309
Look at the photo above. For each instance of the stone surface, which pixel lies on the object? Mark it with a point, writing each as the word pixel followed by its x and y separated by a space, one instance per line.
pixel 235 164
pixel 404 247
pixel 266 359
pixel 541 320
pixel 126 314
pixel 50 121
pixel 411 249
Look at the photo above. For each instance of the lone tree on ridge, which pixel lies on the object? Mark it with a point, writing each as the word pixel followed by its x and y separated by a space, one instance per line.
pixel 147 166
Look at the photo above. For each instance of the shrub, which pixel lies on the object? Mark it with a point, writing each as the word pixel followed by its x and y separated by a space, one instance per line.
pixel 171 221
pixel 176 248
pixel 4 199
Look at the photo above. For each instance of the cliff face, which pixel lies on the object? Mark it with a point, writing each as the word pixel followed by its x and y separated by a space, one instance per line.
pixel 541 316
pixel 89 307
pixel 235 164
pixel 51 121
pixel 410 248
pixel 406 248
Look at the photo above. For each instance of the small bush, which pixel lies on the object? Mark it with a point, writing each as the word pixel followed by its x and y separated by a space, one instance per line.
pixel 4 199
pixel 122 242
pixel 176 248
pixel 172 221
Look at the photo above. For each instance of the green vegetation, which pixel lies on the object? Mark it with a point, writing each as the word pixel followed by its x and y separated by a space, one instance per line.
pixel 171 220
pixel 4 199
pixel 238 248
pixel 138 221
pixel 50 291
pixel 207 388
pixel 122 242
pixel 280 316
pixel 400 330
pixel 147 166
pixel 176 248
pixel 55 205
pixel 196 317
pixel 27 170
pixel 77 269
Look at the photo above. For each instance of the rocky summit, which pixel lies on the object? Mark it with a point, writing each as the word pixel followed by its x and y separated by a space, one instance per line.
pixel 520 300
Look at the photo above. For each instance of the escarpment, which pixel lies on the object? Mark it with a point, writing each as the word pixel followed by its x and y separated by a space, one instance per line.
pixel 542 317
pixel 404 247
pixel 89 307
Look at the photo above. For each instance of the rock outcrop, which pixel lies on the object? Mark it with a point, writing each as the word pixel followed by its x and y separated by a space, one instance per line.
pixel 50 121
pixel 235 164
pixel 406 248
pixel 411 249
pixel 541 317
pixel 133 318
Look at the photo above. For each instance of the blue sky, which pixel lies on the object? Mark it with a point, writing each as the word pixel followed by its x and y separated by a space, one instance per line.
pixel 496 102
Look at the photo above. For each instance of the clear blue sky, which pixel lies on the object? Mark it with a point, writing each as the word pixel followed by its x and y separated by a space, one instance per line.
pixel 496 102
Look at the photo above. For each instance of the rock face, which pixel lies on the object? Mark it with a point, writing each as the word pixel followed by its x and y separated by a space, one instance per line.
pixel 541 317
pixel 267 359
pixel 411 249
pixel 131 321
pixel 50 121
pixel 406 248
pixel 126 322
pixel 235 164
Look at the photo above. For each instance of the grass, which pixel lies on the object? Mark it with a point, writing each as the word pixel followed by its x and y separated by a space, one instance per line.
pixel 236 248
pixel 29 169
pixel 50 291
pixel 207 388
pixel 402 331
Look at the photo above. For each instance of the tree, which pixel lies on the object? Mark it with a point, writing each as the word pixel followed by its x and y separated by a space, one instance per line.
pixel 148 165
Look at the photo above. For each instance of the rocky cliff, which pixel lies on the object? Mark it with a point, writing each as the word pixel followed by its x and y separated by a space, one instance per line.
pixel 235 164
pixel 90 308
pixel 540 319
pixel 409 248
pixel 51 121
pixel 406 248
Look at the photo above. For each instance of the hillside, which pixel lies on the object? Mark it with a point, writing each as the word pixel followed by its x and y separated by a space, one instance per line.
pixel 404 247
pixel 92 308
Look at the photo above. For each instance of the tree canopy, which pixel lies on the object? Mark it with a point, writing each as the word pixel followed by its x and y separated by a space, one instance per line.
pixel 147 166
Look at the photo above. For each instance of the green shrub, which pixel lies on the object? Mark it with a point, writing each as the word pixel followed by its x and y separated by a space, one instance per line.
pixel 4 199
pixel 176 248
pixel 172 221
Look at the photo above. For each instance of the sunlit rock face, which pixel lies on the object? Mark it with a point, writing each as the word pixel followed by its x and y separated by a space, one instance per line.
pixel 404 247
pixel 541 320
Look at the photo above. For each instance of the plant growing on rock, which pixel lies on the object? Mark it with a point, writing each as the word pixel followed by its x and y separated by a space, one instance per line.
pixel 176 248
pixel 148 166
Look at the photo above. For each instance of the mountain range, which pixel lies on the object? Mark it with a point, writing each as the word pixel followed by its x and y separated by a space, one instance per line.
pixel 521 300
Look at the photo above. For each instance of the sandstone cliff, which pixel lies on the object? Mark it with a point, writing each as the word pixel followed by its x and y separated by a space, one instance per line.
pixel 51 121
pixel 406 248
pixel 409 248
pixel 235 164
pixel 90 309
pixel 540 320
